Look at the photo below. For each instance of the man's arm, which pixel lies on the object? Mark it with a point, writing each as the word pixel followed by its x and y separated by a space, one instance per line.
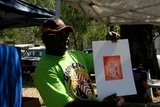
pixel 51 88
pixel 144 78
pixel 145 84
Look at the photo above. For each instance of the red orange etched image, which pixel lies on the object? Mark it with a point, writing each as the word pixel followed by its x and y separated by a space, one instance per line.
pixel 112 67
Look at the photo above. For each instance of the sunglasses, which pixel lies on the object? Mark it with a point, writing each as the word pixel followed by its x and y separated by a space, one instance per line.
pixel 58 35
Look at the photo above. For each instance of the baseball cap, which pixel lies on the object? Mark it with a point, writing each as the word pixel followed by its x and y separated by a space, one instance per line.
pixel 55 25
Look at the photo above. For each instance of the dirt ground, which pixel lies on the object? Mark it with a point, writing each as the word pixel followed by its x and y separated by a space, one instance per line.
pixel 29 90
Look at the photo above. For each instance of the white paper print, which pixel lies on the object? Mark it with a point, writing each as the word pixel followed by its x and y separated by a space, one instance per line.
pixel 113 70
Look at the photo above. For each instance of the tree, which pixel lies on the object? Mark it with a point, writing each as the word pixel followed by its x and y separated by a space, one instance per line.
pixel 95 31
pixel 86 30
pixel 141 46
pixel 50 4
pixel 30 35
pixel 78 20
pixel 9 35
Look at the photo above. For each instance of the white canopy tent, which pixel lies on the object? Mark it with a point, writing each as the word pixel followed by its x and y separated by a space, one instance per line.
pixel 120 12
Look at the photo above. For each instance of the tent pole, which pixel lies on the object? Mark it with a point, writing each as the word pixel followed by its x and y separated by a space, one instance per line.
pixel 58 5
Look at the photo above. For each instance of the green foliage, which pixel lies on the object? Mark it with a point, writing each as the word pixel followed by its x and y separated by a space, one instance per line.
pixel 29 35
pixel 95 31
pixel 9 35
pixel 50 4
pixel 85 29
pixel 78 20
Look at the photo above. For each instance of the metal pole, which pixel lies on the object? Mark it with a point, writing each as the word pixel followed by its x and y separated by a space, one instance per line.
pixel 58 5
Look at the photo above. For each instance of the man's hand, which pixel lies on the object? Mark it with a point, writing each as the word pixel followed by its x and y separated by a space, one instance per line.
pixel 112 101
pixel 113 36
pixel 121 101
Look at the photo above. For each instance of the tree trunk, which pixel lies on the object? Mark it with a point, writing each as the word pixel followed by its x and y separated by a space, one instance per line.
pixel 141 46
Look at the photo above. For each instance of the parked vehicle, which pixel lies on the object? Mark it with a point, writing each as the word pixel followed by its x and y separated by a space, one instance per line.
pixel 31 58
pixel 24 47
pixel 88 50
pixel 30 55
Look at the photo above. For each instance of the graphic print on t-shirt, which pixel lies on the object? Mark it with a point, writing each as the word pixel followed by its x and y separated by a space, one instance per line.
pixel 80 86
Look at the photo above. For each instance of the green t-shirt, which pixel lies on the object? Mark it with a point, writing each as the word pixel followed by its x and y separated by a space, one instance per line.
pixel 60 79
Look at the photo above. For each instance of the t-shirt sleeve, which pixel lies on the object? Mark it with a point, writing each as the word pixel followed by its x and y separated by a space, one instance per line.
pixel 88 59
pixel 84 58
pixel 53 93
pixel 90 63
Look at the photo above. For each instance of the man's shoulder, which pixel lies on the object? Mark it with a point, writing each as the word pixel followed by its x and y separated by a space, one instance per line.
pixel 76 52
pixel 79 54
pixel 137 69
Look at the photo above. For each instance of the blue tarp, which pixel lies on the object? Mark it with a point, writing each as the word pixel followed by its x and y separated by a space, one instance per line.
pixel 10 77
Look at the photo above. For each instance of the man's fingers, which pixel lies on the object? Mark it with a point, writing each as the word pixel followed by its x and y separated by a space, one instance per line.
pixel 121 101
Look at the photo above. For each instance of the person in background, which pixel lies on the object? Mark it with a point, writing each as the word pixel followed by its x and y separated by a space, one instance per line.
pixel 140 75
pixel 61 76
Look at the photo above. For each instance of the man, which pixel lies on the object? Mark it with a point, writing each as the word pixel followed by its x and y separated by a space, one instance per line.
pixel 140 74
pixel 140 77
pixel 61 76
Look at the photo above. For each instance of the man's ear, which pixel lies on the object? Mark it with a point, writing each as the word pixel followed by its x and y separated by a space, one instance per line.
pixel 44 38
pixel 45 41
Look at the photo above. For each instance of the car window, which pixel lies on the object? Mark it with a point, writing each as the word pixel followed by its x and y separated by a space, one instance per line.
pixel 88 51
pixel 35 53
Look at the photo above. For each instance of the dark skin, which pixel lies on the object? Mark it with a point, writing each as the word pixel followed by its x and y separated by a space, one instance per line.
pixel 55 46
